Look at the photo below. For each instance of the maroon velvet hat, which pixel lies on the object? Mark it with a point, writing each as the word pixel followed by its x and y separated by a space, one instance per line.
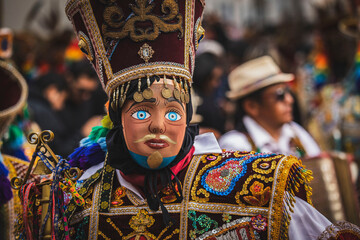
pixel 131 39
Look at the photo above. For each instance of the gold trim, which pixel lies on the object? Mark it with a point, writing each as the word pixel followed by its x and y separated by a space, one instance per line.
pixel 228 208
pixel 278 192
pixel 144 70
pixel 188 180
pixel 94 214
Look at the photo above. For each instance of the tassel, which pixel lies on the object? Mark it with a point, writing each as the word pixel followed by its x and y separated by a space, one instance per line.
pixel 166 216
pixel 98 132
pixel 3 169
pixel 74 158
pixel 106 122
pixel 86 157
pixel 5 190
pixel 91 156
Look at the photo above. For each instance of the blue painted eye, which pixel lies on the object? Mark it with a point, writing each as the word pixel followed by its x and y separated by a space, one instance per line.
pixel 141 115
pixel 173 116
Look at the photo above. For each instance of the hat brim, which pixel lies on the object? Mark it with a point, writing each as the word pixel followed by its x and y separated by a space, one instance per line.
pixel 279 78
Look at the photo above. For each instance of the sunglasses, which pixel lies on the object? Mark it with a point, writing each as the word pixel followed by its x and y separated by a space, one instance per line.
pixel 281 93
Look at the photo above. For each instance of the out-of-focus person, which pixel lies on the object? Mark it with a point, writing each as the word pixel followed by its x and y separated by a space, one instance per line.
pixel 207 77
pixel 47 96
pixel 265 112
pixel 79 114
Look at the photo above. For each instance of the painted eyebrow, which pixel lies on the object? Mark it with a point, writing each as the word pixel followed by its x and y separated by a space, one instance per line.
pixel 151 100
pixel 172 99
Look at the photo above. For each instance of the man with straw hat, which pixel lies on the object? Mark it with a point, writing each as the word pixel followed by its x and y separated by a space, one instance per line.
pixel 264 112
pixel 146 175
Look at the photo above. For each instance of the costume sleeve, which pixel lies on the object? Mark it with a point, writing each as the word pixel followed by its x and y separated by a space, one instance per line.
pixel 306 222
pixel 311 147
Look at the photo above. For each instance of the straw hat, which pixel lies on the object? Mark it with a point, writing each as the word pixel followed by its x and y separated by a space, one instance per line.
pixel 254 75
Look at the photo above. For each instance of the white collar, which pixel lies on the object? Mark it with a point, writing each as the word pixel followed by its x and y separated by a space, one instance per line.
pixel 261 137
pixel 206 143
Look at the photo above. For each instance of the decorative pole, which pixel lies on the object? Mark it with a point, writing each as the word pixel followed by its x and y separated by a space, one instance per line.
pixel 46 163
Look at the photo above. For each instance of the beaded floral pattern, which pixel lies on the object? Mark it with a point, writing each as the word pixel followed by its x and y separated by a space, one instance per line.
pixel 201 224
pixel 221 180
pixel 259 223
pixel 260 196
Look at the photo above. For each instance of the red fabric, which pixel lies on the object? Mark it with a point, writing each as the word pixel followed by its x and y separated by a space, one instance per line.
pixel 138 179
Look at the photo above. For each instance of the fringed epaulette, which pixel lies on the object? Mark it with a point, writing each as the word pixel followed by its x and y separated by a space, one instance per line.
pixel 292 180
pixel 93 148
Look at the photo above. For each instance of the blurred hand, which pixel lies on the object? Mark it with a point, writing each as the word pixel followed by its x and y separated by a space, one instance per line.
pixel 92 122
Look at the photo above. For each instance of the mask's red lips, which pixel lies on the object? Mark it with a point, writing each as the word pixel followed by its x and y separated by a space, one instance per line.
pixel 156 143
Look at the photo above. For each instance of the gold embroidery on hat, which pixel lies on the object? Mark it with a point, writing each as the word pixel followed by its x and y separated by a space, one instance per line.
pixel 138 97
pixel 199 33
pixel 146 52
pixel 166 92
pixel 114 28
pixel 148 93
pixel 84 45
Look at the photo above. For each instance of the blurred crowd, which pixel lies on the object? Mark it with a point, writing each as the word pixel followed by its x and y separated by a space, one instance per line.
pixel 314 114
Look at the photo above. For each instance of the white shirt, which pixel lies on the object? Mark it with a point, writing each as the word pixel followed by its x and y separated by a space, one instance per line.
pixel 235 140
pixel 306 222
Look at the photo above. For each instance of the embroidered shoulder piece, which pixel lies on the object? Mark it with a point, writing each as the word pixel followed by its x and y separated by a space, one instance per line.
pixel 253 183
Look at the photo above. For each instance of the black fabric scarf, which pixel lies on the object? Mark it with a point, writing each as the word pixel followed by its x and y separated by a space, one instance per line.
pixel 119 156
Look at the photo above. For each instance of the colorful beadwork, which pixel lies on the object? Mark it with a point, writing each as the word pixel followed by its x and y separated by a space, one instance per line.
pixel 202 221
pixel 260 196
pixel 141 221
pixel 169 194
pixel 117 197
pixel 211 158
pixel 259 223
pixel 226 217
pixel 221 180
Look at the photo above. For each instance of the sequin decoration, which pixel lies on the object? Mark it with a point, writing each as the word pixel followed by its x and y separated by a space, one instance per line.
pixel 117 197
pixel 169 194
pixel 141 221
pixel 211 158
pixel 221 179
pixel 226 217
pixel 203 221
pixel 260 196
pixel 259 223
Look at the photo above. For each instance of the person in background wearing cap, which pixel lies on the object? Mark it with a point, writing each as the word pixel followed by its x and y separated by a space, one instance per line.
pixel 146 173
pixel 264 112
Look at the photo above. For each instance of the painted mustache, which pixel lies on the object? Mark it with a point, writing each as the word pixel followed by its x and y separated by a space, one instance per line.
pixel 153 136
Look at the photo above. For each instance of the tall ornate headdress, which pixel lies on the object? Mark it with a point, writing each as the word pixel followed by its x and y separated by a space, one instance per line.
pixel 128 40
